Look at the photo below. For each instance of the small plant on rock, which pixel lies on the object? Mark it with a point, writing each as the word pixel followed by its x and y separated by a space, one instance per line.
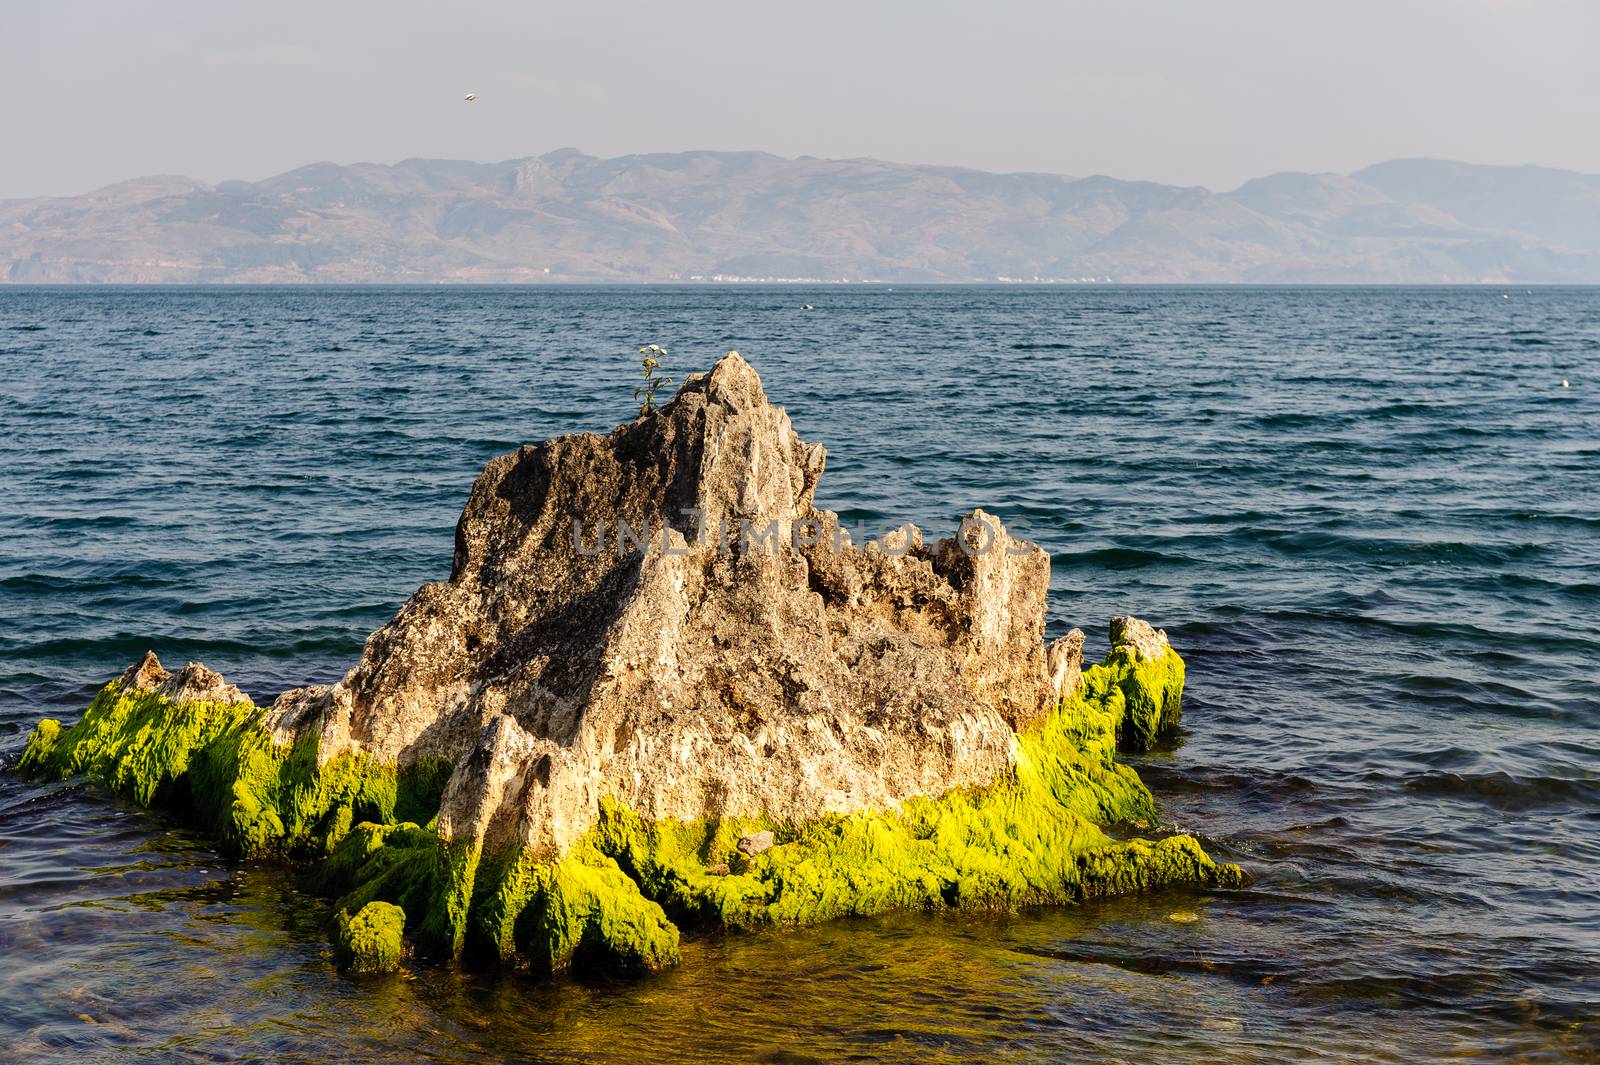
pixel 653 354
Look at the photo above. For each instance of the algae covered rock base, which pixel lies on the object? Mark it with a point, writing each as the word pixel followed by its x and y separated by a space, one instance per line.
pixel 662 691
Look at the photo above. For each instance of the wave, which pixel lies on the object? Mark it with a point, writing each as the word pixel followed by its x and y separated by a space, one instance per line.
pixel 49 583
pixel 1505 791
pixel 1118 558
pixel 1391 550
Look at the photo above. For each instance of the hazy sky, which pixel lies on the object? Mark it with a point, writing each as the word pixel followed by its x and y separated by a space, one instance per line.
pixel 1205 92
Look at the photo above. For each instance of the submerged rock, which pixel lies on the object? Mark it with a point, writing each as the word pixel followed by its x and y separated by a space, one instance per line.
pixel 661 686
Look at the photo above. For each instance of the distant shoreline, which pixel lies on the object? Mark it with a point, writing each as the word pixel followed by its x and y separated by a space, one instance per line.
pixel 239 286
pixel 731 218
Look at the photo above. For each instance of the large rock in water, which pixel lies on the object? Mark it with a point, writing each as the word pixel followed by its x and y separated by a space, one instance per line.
pixel 653 645
pixel 741 661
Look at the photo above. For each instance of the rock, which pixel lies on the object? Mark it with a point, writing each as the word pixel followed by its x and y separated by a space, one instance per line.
pixel 650 643
pixel 1152 685
pixel 785 681
pixel 370 942
pixel 755 843
pixel 192 683
pixel 1149 643
pixel 298 711
pixel 1064 662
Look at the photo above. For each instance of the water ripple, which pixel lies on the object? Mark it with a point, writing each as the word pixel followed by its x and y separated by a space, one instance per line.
pixel 1368 517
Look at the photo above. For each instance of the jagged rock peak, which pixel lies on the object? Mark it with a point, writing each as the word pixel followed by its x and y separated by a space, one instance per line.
pixel 1149 642
pixel 662 615
pixel 193 683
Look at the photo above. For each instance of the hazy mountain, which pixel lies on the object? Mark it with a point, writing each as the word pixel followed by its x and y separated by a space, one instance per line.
pixel 567 216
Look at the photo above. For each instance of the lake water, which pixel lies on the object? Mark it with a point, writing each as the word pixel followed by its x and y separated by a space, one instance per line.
pixel 1369 519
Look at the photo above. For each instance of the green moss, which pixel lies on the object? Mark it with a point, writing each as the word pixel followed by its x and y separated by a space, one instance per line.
pixel 41 744
pixel 138 743
pixel 508 885
pixel 444 923
pixel 582 912
pixel 370 942
pixel 215 762
pixel 420 788
pixel 413 868
pixel 615 898
pixel 1152 696
pixel 366 858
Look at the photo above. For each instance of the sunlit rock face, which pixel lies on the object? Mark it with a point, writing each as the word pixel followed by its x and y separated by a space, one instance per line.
pixel 661 687
pixel 662 615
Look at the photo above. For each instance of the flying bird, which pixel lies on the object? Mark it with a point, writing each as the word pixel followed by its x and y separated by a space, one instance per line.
pixel 471 96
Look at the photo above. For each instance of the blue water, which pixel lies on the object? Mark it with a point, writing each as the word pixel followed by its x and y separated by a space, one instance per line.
pixel 1370 519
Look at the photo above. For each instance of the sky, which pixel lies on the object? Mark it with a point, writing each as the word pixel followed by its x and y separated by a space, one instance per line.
pixel 1203 92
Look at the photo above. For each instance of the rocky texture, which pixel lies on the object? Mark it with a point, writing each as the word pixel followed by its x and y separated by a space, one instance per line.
pixel 193 683
pixel 756 842
pixel 727 675
pixel 1064 661
pixel 731 715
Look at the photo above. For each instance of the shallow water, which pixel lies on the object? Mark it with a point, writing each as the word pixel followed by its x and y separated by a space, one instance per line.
pixel 1368 518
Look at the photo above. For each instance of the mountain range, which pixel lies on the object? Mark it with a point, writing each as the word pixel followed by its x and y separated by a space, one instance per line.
pixel 751 216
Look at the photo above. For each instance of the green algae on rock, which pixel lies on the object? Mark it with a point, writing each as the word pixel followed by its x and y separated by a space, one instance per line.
pixel 372 940
pixel 549 760
pixel 1035 836
pixel 1150 681
pixel 188 739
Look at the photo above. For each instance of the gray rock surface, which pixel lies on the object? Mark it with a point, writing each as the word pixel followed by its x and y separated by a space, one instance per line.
pixel 194 682
pixel 714 673
pixel 1150 643
pixel 1064 663
pixel 756 842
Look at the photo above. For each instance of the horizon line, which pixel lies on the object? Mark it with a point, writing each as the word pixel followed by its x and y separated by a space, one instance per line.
pixel 17 286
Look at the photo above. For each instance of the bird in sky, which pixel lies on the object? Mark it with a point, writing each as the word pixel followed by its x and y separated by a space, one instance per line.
pixel 471 96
